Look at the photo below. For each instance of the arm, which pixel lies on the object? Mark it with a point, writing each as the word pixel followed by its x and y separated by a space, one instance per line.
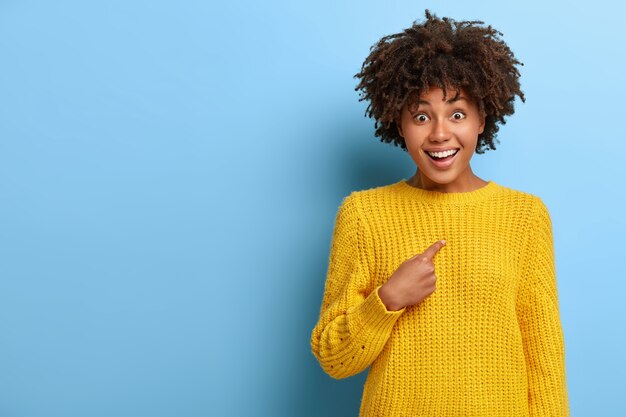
pixel 353 325
pixel 539 320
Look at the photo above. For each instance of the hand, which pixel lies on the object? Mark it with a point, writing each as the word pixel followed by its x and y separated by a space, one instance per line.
pixel 413 281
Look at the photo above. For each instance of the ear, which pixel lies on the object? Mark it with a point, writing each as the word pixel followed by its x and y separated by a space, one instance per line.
pixel 481 128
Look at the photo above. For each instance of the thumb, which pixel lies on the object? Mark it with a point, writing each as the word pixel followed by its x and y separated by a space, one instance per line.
pixel 434 248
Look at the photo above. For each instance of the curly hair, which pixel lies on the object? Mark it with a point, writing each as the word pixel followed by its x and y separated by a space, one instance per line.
pixel 440 53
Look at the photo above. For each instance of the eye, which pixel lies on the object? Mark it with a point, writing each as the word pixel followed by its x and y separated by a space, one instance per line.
pixel 457 118
pixel 417 117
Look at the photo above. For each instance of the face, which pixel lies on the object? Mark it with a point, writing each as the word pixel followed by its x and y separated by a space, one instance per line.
pixel 434 125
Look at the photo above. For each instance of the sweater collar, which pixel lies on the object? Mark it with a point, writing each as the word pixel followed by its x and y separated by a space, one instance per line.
pixel 441 198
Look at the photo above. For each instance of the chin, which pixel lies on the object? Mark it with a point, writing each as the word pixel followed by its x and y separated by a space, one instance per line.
pixel 441 177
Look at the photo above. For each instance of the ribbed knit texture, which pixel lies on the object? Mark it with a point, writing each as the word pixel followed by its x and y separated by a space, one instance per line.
pixel 487 342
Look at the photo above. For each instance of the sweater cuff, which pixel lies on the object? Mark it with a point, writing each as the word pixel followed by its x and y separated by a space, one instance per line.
pixel 372 316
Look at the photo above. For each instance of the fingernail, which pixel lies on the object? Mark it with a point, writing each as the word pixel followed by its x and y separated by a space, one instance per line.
pixel 443 241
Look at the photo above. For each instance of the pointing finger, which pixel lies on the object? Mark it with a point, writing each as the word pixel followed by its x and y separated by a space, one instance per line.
pixel 434 248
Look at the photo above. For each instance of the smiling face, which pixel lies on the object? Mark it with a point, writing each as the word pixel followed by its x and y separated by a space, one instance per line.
pixel 434 125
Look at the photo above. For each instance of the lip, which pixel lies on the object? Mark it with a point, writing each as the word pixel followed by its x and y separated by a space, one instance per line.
pixel 444 164
pixel 439 150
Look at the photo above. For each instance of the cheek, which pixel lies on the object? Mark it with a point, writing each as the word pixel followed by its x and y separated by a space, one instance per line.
pixel 469 137
pixel 413 146
pixel 414 136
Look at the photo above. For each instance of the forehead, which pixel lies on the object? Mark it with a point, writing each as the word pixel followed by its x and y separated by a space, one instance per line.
pixel 434 97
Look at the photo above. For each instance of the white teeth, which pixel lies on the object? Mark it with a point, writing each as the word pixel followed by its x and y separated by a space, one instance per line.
pixel 443 154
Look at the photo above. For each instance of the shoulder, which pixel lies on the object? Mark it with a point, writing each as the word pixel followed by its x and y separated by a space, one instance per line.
pixel 534 208
pixel 377 190
pixel 364 198
pixel 353 205
pixel 371 205
pixel 533 203
pixel 524 197
pixel 364 206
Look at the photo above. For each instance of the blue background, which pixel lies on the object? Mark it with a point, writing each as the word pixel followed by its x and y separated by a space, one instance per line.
pixel 170 173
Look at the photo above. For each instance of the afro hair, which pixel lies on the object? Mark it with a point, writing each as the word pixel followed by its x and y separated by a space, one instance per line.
pixel 440 53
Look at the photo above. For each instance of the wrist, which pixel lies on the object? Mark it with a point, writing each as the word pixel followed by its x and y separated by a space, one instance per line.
pixel 388 299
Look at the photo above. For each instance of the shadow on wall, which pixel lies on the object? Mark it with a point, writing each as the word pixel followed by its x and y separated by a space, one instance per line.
pixel 360 162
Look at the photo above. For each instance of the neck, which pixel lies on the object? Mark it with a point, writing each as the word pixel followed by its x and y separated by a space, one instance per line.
pixel 463 183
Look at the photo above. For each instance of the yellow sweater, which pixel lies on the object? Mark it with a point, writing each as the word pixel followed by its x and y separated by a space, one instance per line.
pixel 487 342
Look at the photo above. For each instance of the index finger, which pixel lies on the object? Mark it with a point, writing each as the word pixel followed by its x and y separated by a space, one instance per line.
pixel 434 248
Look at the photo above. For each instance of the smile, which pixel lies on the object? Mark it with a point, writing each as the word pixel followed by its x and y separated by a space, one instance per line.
pixel 443 162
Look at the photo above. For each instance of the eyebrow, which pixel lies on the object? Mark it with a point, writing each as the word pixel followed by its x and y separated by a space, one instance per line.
pixel 450 101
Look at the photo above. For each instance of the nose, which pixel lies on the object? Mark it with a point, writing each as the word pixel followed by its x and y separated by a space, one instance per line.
pixel 440 131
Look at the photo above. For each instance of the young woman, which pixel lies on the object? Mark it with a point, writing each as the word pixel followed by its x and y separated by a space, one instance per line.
pixel 444 285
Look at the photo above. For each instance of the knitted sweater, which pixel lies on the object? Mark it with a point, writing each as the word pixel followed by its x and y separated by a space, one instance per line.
pixel 487 342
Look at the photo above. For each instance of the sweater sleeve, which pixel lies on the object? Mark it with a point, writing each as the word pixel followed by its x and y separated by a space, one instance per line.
pixel 540 325
pixel 354 324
